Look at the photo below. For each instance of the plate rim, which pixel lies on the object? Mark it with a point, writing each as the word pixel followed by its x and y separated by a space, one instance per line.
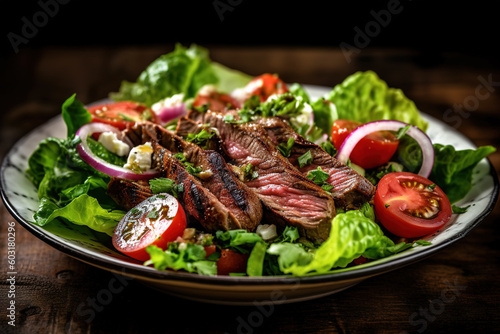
pixel 137 271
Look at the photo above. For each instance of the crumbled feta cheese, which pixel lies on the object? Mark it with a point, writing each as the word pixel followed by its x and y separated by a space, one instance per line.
pixel 266 231
pixel 207 90
pixel 168 102
pixel 139 158
pixel 113 144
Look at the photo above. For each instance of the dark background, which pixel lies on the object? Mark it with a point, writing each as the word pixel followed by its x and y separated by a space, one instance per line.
pixel 429 26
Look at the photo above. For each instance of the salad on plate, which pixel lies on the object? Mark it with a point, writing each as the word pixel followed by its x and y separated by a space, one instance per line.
pixel 201 168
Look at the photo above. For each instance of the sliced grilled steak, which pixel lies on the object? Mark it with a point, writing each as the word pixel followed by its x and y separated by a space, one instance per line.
pixel 128 194
pixel 198 201
pixel 350 189
pixel 288 196
pixel 243 204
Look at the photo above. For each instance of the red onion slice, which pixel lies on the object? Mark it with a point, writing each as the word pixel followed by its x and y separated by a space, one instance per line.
pixel 101 165
pixel 170 108
pixel 386 125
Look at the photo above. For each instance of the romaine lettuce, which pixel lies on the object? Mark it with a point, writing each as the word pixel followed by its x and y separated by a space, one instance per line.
pixel 352 235
pixel 364 97
pixel 184 70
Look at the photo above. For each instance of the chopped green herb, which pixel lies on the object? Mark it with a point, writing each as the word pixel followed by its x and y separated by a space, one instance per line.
pixel 228 119
pixel 402 131
pixel 318 176
pixel 459 210
pixel 422 242
pixel 431 186
pixel 286 148
pixel 126 118
pixel 249 173
pixel 329 148
pixel 154 214
pixel 387 205
pixel 305 159
pixel 164 185
pixel 201 138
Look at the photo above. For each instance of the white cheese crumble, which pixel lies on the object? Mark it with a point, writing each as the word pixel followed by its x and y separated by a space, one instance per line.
pixel 168 102
pixel 139 158
pixel 113 144
pixel 266 231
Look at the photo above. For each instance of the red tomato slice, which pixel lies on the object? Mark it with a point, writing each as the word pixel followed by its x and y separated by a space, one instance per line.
pixel 410 205
pixel 118 114
pixel 231 262
pixel 372 151
pixel 216 101
pixel 265 85
pixel 158 220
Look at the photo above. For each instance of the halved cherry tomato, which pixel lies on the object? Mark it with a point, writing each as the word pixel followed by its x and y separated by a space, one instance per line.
pixel 216 101
pixel 231 262
pixel 410 205
pixel 209 250
pixel 265 85
pixel 118 114
pixel 157 220
pixel 372 151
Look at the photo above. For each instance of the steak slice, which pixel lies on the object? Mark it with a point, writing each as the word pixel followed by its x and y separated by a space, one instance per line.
pixel 128 194
pixel 197 200
pixel 288 196
pixel 350 189
pixel 216 176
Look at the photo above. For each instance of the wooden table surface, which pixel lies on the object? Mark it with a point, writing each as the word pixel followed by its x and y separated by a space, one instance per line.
pixel 50 286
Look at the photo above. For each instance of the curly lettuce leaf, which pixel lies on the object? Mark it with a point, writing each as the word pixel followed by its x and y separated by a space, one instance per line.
pixel 189 257
pixel 83 210
pixel 352 235
pixel 184 70
pixel 364 97
pixel 69 190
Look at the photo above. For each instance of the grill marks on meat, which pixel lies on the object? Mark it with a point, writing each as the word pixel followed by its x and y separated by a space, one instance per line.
pixel 217 193
pixel 350 189
pixel 128 194
pixel 198 201
pixel 288 196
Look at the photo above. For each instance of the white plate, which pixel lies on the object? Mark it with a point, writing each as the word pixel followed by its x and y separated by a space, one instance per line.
pixel 20 198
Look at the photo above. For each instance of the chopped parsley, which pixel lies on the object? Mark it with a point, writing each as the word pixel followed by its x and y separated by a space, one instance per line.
pixel 319 177
pixel 305 159
pixel 164 185
pixel 286 148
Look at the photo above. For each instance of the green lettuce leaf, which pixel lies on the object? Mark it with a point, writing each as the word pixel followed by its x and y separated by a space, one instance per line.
pixel 452 170
pixel 184 70
pixel 83 210
pixel 69 190
pixel 228 78
pixel 364 97
pixel 75 115
pixel 352 235
pixel 189 257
